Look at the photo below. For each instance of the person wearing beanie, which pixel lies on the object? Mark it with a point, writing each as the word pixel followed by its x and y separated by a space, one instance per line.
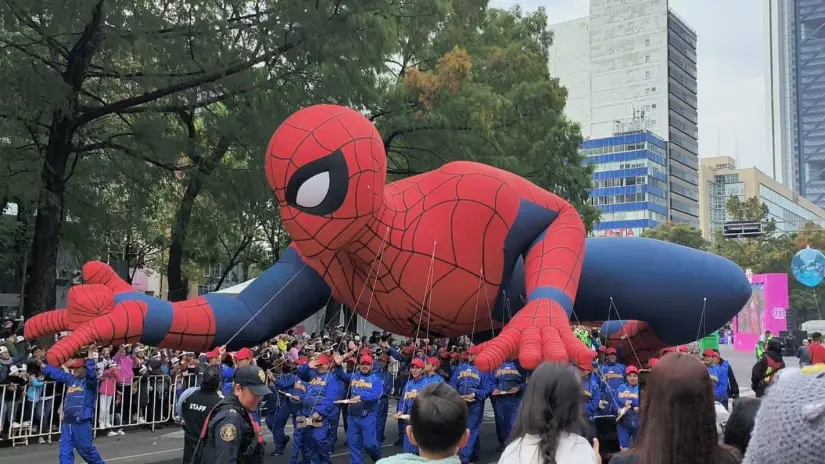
pixel 790 424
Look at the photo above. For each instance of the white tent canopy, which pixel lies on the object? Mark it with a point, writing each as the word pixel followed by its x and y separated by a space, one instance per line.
pixel 235 290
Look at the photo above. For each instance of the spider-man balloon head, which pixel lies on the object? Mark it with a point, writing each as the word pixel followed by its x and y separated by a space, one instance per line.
pixel 327 167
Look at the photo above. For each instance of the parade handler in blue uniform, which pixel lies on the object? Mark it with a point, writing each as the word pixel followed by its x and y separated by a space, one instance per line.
pixel 474 386
pixel 78 409
pixel 365 390
pixel 506 398
pixel 230 434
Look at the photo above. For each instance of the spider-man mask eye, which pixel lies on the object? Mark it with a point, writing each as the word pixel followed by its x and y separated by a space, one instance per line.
pixel 320 187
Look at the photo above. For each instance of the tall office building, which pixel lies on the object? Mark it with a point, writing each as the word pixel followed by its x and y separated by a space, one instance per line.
pixel 629 182
pixel 795 86
pixel 629 66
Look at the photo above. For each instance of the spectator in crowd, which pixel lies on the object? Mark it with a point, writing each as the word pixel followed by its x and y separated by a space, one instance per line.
pixel 678 419
pixel 550 425
pixel 803 353
pixel 438 426
pixel 739 426
pixel 816 349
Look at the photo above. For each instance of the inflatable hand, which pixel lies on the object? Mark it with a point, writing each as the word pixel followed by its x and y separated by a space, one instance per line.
pixel 539 332
pixel 90 314
pixel 108 310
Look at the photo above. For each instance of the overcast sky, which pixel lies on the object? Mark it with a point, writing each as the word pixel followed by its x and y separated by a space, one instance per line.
pixel 731 70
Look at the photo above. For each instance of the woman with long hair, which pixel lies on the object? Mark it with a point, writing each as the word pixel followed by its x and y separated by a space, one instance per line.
pixel 550 423
pixel 678 417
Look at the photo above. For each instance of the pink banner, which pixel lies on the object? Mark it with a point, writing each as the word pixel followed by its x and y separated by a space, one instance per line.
pixel 764 311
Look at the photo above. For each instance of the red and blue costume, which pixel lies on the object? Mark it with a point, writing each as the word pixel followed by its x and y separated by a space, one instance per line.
pixel 506 258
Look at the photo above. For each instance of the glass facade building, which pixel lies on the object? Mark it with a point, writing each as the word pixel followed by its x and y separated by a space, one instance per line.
pixel 721 180
pixel 630 182
pixel 795 31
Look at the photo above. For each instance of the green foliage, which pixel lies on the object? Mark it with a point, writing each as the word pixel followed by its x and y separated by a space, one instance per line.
pixel 682 234
pixel 137 130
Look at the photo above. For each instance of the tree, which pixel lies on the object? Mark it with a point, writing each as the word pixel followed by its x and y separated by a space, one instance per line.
pixel 479 89
pixel 76 75
pixel 682 234
pixel 770 252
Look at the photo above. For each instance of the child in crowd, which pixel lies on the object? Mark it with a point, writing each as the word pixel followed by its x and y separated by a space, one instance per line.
pixel 438 426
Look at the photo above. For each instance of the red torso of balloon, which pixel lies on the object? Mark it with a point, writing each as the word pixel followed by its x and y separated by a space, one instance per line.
pixel 446 228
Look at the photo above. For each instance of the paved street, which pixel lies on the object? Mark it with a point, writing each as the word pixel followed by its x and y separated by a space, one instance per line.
pixel 165 445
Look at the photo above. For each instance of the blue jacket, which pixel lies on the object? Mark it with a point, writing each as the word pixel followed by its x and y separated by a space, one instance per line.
pixel 321 394
pixel 410 393
pixel 592 396
pixel 468 379
pixel 434 378
pixel 369 387
pixel 612 376
pixel 719 378
pixel 624 393
pixel 226 379
pixel 284 383
pixel 81 393
pixel 507 376
pixel 386 381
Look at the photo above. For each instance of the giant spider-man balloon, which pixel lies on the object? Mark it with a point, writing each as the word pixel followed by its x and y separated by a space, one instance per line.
pixel 464 249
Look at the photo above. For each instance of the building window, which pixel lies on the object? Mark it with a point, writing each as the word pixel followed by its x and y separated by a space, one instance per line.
pixel 653 106
pixel 647 58
pixel 647 42
pixel 653 89
pixel 647 74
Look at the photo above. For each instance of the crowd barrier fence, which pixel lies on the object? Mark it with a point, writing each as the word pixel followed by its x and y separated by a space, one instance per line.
pixel 35 410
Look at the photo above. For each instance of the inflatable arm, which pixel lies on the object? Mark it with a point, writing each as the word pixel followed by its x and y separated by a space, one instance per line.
pixel 108 310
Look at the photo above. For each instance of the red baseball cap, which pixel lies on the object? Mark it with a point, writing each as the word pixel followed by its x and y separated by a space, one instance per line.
pixel 631 370
pixel 366 359
pixel 323 359
pixel 709 352
pixel 610 350
pixel 417 362
pixel 434 361
pixel 602 349
pixel 409 349
pixel 215 353
pixel 384 358
pixel 366 351
pixel 302 360
pixel 244 353
pixel 77 363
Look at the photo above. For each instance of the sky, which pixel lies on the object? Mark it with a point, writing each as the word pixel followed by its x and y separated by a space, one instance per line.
pixel 731 71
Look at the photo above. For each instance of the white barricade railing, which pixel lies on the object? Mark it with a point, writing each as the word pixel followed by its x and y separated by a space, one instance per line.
pixel 34 410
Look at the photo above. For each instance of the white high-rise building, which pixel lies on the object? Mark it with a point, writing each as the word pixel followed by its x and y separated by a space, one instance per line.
pixel 631 66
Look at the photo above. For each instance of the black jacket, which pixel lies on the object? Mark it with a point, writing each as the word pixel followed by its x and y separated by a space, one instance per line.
pixel 194 411
pixel 231 437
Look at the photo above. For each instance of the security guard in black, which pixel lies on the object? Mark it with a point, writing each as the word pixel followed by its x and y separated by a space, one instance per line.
pixel 231 436
pixel 196 408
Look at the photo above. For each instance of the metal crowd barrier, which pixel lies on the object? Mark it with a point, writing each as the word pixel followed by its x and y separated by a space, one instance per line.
pixel 35 410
